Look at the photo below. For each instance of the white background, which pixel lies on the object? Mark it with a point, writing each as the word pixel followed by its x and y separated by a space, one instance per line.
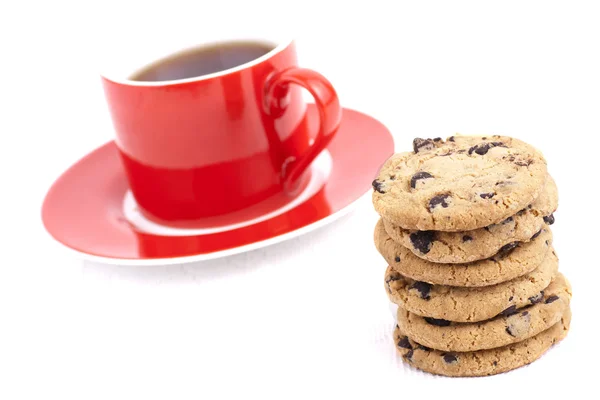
pixel 307 318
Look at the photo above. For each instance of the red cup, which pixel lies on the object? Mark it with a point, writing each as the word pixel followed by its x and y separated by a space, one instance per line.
pixel 216 144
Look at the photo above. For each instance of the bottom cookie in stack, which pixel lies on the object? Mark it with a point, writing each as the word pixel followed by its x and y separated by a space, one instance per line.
pixel 482 362
pixel 511 340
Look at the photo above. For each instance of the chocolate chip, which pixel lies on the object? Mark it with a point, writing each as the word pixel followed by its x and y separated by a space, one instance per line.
pixel 421 240
pixel 397 258
pixel 439 200
pixel 422 145
pixel 467 238
pixel 549 219
pixel 437 139
pixel 511 298
pixel 409 354
pixel 450 358
pixel 487 195
pixel 510 332
pixel 537 298
pixel 418 176
pixel 483 148
pixel 451 139
pixel 480 149
pixel 507 220
pixel 404 343
pixel 551 299
pixel 484 138
pixel 437 322
pixel 495 363
pixel 424 288
pixel 524 313
pixel 509 311
pixel 506 249
pixel 536 234
pixel 378 186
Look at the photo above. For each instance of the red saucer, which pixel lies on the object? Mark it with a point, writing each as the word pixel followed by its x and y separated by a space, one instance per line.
pixel 84 208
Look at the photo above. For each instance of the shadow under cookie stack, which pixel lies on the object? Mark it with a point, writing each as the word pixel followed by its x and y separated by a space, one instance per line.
pixel 465 232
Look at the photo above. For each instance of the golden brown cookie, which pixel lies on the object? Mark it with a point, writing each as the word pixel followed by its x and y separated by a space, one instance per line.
pixel 482 362
pixel 503 330
pixel 478 244
pixel 469 304
pixel 463 183
pixel 514 260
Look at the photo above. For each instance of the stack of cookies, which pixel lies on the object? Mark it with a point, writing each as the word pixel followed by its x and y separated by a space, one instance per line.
pixel 465 232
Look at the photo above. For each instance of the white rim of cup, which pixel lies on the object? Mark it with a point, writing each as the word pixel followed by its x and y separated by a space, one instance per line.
pixel 125 81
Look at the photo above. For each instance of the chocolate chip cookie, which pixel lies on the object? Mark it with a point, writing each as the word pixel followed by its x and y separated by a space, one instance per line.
pixel 462 183
pixel 469 304
pixel 481 362
pixel 505 329
pixel 467 246
pixel 514 260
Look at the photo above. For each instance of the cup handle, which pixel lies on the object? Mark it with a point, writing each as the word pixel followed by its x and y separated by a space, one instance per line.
pixel 330 115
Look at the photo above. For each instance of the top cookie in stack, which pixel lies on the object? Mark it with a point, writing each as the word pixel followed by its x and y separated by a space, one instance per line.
pixel 460 184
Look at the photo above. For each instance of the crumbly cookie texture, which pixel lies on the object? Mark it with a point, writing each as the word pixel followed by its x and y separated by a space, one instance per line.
pixel 478 244
pixel 515 259
pixel 482 362
pixel 503 330
pixel 463 183
pixel 469 304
